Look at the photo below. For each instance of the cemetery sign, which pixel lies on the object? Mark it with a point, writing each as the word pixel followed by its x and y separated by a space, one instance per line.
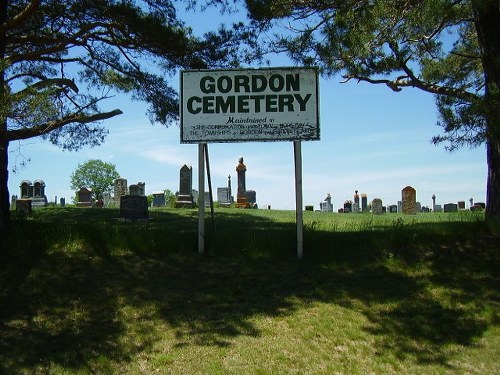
pixel 238 105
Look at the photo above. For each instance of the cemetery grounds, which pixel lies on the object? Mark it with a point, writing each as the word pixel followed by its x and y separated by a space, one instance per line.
pixel 84 293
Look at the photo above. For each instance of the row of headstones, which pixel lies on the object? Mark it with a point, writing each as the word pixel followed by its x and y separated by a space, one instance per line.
pixel 378 208
pixel 84 194
pixel 133 206
pixel 408 204
pixel 224 198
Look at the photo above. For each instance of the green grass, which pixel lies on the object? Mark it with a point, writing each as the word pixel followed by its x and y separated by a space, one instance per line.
pixel 83 293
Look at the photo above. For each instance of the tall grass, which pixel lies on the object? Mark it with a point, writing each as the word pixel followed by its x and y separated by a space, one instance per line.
pixel 82 292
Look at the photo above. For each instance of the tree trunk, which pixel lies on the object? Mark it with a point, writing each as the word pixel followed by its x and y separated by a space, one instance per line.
pixel 487 19
pixel 4 178
pixel 493 186
pixel 4 142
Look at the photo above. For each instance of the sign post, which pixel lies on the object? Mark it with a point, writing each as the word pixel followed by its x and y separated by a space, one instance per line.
pixel 250 105
pixel 297 151
pixel 201 198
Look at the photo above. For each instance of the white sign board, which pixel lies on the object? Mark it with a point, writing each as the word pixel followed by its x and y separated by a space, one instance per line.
pixel 239 105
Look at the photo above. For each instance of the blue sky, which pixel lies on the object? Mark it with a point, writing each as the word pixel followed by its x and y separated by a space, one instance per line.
pixel 372 140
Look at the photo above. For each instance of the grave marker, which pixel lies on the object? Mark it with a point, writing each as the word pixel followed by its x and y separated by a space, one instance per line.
pixel 134 207
pixel 377 206
pixel 185 196
pixel 241 197
pixel 84 197
pixel 409 200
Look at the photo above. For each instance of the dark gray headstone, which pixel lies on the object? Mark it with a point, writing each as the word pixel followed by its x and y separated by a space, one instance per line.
pixel 23 208
pixel 134 190
pixel 39 189
pixel 134 207
pixel 185 180
pixel 251 196
pixel 185 196
pixel 450 207
pixel 26 189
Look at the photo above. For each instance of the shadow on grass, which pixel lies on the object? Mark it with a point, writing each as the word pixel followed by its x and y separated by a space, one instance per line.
pixel 82 291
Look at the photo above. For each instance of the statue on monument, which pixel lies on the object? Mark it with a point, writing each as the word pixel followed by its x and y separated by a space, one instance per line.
pixel 241 198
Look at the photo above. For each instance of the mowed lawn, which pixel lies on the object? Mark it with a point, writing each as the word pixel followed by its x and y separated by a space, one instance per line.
pixel 84 293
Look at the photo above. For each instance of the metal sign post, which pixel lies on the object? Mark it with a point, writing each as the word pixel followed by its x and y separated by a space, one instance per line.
pixel 201 198
pixel 297 151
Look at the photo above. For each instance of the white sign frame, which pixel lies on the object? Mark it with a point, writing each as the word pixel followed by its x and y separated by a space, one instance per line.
pixel 249 105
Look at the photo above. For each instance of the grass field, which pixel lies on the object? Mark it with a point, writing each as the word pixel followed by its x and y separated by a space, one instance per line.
pixel 84 293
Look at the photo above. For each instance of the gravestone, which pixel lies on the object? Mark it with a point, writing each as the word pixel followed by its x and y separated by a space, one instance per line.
pixel 409 201
pixel 38 189
pixel 134 207
pixel 142 188
pixel 377 206
pixel 106 199
pixel 479 206
pixel 241 197
pixel 134 190
pixel 438 208
pixel 393 209
pixel 347 207
pixel 251 197
pixel 356 198
pixel 223 196
pixel 326 205
pixel 13 202
pixel 120 189
pixel 62 202
pixel 355 208
pixel 229 191
pixel 137 189
pixel 364 203
pixel 450 207
pixel 36 192
pixel 26 189
pixel 158 199
pixel 207 199
pixel 461 205
pixel 39 199
pixel 23 208
pixel 84 197
pixel 185 196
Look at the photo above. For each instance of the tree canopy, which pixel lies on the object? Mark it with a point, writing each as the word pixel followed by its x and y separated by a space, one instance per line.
pixel 95 174
pixel 448 48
